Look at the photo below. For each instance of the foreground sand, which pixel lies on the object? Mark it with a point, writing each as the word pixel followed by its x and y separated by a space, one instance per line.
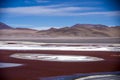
pixel 35 70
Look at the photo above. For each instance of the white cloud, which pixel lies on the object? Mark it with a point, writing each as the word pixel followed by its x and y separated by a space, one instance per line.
pixel 108 13
pixel 57 10
pixel 45 10
pixel 90 3
pixel 36 1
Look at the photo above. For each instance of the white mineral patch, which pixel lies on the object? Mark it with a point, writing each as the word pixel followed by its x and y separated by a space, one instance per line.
pixel 59 58
pixel 7 65
pixel 14 45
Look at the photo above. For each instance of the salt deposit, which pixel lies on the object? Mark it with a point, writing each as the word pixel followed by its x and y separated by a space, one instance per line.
pixel 52 57
pixel 5 45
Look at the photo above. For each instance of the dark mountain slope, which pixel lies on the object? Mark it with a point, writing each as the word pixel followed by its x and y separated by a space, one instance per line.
pixel 4 26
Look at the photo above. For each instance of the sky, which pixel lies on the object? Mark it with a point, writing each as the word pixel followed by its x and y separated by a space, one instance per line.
pixel 43 14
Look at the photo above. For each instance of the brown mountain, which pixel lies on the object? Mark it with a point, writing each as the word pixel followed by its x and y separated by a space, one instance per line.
pixel 9 32
pixel 75 31
pixel 83 30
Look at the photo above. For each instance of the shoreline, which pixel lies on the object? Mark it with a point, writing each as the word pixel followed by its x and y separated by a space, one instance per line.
pixel 104 40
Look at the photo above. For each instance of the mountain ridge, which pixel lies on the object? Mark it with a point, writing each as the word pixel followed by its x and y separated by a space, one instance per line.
pixel 77 30
pixel 88 30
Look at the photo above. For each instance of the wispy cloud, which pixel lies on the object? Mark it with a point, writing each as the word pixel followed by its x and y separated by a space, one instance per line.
pixel 45 10
pixel 90 2
pixel 108 13
pixel 42 1
pixel 36 1
pixel 58 10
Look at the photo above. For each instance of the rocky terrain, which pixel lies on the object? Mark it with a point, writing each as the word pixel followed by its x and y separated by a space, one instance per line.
pixel 77 31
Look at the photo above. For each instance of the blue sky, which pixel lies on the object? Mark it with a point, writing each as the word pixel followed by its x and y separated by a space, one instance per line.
pixel 43 14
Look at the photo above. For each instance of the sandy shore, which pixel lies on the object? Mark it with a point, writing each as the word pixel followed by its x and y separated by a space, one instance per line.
pixel 34 69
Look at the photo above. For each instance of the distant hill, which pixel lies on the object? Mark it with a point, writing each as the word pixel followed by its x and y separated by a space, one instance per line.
pixel 25 29
pixel 4 26
pixel 10 32
pixel 75 31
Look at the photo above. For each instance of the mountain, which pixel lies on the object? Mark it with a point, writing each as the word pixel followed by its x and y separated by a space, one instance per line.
pixel 10 32
pixel 75 31
pixel 83 30
pixel 4 26
pixel 25 29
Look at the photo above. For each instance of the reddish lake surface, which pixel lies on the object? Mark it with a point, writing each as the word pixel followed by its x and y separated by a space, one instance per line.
pixel 36 69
